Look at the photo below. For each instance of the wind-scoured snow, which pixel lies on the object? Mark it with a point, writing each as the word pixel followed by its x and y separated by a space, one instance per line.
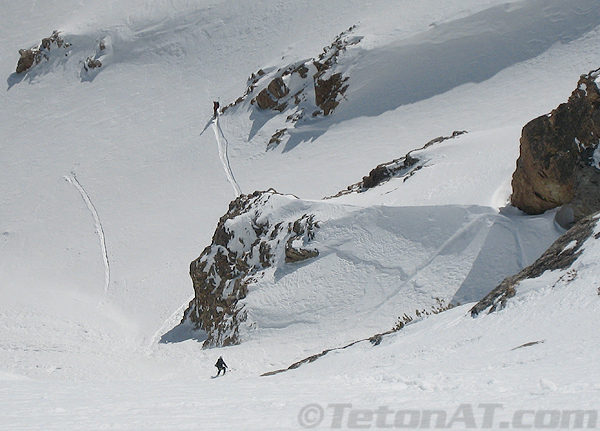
pixel 81 348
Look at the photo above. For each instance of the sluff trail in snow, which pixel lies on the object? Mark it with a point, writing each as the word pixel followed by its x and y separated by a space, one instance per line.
pixel 99 230
pixel 223 144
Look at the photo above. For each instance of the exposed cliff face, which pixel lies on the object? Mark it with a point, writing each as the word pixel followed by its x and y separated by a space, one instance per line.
pixel 245 243
pixel 558 163
pixel 560 256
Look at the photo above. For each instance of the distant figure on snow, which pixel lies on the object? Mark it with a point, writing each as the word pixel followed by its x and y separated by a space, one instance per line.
pixel 221 366
pixel 216 108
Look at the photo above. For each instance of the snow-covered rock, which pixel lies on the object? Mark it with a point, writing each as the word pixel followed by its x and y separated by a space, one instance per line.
pixel 48 47
pixel 248 239
pixel 307 88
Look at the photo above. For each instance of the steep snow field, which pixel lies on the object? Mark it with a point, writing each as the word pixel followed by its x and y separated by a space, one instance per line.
pixel 114 178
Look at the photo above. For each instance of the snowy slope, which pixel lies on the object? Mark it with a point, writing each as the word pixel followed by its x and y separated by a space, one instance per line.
pixel 369 266
pixel 538 354
pixel 113 180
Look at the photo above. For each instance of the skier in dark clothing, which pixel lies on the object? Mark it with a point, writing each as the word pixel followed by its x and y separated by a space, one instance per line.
pixel 216 108
pixel 221 366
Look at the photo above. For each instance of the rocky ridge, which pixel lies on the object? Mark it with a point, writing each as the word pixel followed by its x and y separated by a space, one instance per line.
pixel 247 241
pixel 404 167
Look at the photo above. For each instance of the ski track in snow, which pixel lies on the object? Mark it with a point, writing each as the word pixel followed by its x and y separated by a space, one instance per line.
pixel 461 232
pixel 223 145
pixel 99 229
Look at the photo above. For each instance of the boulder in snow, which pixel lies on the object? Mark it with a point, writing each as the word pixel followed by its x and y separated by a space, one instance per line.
pixel 558 162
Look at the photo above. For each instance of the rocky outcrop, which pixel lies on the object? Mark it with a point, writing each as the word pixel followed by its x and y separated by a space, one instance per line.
pixel 265 101
pixel 301 228
pixel 91 63
pixel 558 162
pixel 403 167
pixel 246 242
pixel 315 73
pixel 311 88
pixel 57 50
pixel 34 56
pixel 560 256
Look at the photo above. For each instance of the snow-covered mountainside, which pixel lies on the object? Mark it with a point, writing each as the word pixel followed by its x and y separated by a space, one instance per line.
pixel 279 266
pixel 356 182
